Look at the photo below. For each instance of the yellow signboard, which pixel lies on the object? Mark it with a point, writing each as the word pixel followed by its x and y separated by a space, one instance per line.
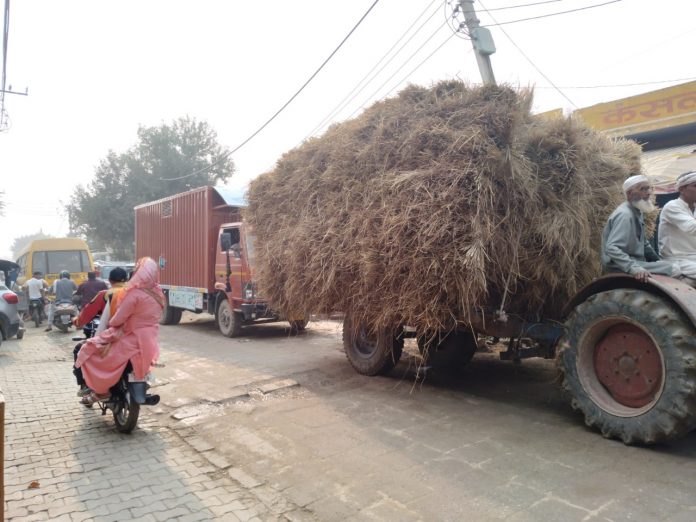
pixel 654 110
pixel 550 115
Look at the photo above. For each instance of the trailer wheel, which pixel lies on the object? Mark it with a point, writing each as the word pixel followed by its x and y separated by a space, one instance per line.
pixel 371 354
pixel 170 315
pixel 229 322
pixel 449 354
pixel 629 364
pixel 298 325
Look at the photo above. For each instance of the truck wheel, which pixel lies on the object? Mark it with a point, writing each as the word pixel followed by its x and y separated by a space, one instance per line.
pixel 170 315
pixel 298 325
pixel 454 351
pixel 371 354
pixel 629 364
pixel 229 321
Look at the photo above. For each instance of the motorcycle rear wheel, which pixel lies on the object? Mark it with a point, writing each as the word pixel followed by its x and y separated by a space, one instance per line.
pixel 63 327
pixel 126 415
pixel 36 317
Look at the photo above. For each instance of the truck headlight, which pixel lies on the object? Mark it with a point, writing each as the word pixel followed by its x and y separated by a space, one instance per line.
pixel 249 293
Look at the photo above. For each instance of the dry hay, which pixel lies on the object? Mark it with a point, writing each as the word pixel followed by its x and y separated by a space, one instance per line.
pixel 435 202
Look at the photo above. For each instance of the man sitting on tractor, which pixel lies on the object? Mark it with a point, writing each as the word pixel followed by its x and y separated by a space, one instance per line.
pixel 624 245
pixel 677 230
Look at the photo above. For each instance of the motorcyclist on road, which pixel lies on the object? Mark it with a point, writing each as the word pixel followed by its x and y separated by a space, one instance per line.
pixel 117 278
pixel 63 289
pixel 97 306
pixel 36 287
pixel 131 336
pixel 90 288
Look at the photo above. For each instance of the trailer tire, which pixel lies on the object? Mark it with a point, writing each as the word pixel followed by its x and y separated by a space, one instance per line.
pixel 629 365
pixel 229 322
pixel 298 325
pixel 449 354
pixel 371 355
pixel 170 315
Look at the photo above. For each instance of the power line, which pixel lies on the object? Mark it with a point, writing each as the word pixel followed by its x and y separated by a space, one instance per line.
pixel 226 155
pixel 617 84
pixel 351 96
pixel 402 66
pixel 425 60
pixel 530 60
pixel 524 5
pixel 550 14
pixel 458 28
pixel 4 119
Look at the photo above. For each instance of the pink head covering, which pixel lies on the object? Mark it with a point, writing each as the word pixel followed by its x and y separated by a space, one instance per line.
pixel 146 277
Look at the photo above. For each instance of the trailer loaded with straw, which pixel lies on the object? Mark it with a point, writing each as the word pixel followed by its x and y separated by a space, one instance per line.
pixel 452 213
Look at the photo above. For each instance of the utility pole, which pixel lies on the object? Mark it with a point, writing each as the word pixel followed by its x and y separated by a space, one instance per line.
pixel 481 40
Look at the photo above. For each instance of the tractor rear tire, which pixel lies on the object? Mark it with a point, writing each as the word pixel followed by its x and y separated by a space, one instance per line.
pixel 369 353
pixel 629 364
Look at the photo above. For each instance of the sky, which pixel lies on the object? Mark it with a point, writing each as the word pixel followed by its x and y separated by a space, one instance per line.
pixel 97 70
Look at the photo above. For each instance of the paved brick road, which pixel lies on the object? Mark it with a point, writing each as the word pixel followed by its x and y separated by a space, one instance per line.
pixel 86 470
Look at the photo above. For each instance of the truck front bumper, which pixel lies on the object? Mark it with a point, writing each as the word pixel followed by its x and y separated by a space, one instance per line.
pixel 253 311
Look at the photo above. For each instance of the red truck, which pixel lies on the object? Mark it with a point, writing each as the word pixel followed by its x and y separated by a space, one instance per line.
pixel 205 252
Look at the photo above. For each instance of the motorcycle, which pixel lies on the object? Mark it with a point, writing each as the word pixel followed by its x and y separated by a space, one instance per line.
pixel 127 395
pixel 63 316
pixel 36 311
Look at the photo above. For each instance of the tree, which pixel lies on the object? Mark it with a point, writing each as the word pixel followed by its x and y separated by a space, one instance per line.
pixel 166 160
pixel 22 241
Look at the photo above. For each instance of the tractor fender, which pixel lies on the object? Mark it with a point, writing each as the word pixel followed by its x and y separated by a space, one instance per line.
pixel 675 290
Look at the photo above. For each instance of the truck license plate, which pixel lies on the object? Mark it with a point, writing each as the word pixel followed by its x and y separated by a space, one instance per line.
pixel 186 299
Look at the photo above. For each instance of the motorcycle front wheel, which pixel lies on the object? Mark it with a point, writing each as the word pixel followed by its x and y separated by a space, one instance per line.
pixel 126 414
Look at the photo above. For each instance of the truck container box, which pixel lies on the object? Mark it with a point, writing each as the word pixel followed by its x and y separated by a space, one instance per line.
pixel 180 232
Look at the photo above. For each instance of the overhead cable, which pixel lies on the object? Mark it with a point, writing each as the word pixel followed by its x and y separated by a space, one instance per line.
pixel 617 84
pixel 530 60
pixel 353 94
pixel 550 14
pixel 226 155
pixel 524 5
pixel 421 63
pixel 4 119
pixel 401 67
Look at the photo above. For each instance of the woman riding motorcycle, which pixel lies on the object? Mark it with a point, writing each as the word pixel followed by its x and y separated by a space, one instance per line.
pixel 132 335
pixel 104 304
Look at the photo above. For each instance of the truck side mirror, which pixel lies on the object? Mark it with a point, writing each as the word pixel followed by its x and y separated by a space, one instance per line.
pixel 225 241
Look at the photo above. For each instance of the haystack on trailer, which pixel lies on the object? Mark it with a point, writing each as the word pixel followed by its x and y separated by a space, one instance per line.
pixel 451 213
pixel 205 253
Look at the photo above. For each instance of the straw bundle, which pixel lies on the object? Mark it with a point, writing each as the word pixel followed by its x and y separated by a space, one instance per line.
pixel 436 202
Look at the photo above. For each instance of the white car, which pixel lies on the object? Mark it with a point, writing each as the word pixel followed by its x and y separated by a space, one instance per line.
pixel 10 322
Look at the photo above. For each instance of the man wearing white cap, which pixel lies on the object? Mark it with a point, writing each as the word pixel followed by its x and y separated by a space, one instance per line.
pixel 624 245
pixel 677 231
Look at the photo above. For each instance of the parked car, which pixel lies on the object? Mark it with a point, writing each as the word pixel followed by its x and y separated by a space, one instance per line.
pixel 10 322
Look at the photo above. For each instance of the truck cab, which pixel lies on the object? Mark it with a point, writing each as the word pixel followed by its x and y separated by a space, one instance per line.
pixel 234 275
